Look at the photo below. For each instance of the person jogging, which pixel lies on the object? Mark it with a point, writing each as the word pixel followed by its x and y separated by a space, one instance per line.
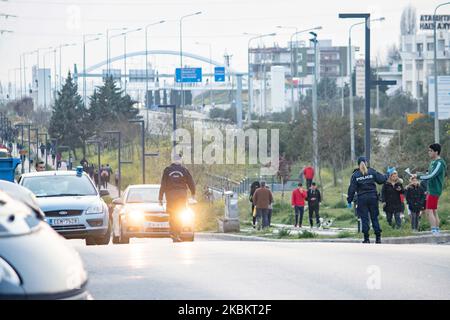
pixel 363 181
pixel 435 179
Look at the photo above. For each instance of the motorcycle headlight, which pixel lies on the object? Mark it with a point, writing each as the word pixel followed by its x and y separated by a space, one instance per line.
pixel 95 209
pixel 187 216
pixel 8 274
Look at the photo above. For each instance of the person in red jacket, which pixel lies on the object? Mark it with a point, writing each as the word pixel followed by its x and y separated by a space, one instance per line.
pixel 308 173
pixel 298 203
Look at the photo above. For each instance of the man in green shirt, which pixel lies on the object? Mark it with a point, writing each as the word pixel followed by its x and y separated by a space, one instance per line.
pixel 435 179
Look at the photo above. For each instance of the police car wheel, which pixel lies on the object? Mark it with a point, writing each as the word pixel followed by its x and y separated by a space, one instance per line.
pixel 106 238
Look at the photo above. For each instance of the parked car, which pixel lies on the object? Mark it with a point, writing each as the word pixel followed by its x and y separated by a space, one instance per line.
pixel 72 204
pixel 35 262
pixel 138 214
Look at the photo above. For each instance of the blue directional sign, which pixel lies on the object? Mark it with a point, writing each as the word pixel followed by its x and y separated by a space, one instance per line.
pixel 188 75
pixel 219 74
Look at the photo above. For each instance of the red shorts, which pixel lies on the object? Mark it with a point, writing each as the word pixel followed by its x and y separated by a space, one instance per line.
pixel 432 202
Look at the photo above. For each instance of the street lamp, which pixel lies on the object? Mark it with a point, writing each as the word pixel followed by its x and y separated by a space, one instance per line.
pixel 108 49
pixel 181 54
pixel 350 70
pixel 210 69
pixel 314 105
pixel 60 58
pixel 125 56
pixel 249 86
pixel 84 59
pixel 146 60
pixel 436 105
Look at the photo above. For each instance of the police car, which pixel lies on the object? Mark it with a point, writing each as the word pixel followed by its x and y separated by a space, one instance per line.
pixel 72 204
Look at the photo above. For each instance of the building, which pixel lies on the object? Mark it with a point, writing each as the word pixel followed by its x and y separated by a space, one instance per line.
pixel 298 65
pixel 360 75
pixel 417 55
pixel 41 88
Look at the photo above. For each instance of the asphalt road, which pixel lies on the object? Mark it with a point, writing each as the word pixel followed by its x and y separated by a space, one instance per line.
pixel 160 269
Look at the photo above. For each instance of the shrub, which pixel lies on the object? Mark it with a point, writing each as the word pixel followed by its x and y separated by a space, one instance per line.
pixel 306 234
pixel 283 232
pixel 345 217
pixel 341 204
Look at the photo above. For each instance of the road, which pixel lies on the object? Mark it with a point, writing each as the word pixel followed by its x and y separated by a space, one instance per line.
pixel 159 269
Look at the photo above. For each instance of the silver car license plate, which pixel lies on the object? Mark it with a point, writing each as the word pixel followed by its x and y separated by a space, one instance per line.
pixel 63 222
pixel 158 224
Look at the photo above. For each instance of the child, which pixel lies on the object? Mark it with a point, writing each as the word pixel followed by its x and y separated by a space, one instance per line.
pixel 415 197
pixel 390 196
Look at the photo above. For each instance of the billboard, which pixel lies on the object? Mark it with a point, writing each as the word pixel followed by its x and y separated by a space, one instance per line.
pixel 443 96
pixel 188 75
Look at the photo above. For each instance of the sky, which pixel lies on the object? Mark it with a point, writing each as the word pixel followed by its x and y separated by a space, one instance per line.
pixel 50 23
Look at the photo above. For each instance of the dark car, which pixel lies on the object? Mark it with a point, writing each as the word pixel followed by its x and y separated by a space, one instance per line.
pixel 36 262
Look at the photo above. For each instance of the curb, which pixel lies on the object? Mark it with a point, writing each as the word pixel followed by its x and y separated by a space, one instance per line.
pixel 425 239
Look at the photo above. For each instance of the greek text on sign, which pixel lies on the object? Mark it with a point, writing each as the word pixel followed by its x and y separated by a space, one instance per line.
pixel 427 22
pixel 188 75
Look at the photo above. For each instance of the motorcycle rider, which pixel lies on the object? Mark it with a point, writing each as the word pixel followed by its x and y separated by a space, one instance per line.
pixel 363 181
pixel 175 182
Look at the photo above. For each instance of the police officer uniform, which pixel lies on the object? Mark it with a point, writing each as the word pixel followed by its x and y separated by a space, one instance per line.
pixel 367 204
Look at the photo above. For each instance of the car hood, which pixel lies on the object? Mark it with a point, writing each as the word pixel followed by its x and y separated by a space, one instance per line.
pixel 145 207
pixel 47 265
pixel 73 203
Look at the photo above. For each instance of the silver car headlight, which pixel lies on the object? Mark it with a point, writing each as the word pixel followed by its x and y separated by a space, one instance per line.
pixel 8 274
pixel 95 209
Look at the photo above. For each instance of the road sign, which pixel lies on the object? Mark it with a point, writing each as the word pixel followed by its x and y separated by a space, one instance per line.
pixel 443 94
pixel 411 117
pixel 219 74
pixel 188 75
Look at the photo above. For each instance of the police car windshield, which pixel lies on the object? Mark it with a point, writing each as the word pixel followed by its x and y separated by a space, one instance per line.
pixel 143 195
pixel 60 186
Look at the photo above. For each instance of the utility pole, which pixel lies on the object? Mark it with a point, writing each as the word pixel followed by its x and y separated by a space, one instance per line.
pixel 314 105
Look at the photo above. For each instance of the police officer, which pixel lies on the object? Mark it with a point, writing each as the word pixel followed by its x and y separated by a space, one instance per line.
pixel 363 181
pixel 175 182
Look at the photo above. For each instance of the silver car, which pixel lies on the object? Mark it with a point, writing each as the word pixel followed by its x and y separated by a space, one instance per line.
pixel 72 204
pixel 138 214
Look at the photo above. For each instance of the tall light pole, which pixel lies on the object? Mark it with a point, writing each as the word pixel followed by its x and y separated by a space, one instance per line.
pixel 295 34
pixel 350 71
pixel 210 68
pixel 60 59
pixel 181 54
pixel 146 61
pixel 108 49
pixel 125 56
pixel 84 59
pixel 436 105
pixel 24 69
pixel 249 73
pixel 314 106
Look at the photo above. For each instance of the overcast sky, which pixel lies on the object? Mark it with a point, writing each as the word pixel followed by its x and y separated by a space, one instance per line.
pixel 45 23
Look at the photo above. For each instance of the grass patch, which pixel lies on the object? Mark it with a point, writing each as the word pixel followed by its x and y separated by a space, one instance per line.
pixel 283 233
pixel 306 235
pixel 345 234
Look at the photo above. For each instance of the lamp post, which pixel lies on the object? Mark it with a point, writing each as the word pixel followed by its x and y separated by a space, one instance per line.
pixel 60 59
pixel 181 54
pixel 249 75
pixel 314 105
pixel 125 56
pixel 350 71
pixel 210 69
pixel 84 59
pixel 45 78
pixel 108 49
pixel 24 69
pixel 296 33
pixel 141 122
pixel 146 60
pixel 436 105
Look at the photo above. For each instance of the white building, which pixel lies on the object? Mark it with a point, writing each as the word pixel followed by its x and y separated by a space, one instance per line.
pixel 42 88
pixel 417 60
pixel 277 89
pixel 360 72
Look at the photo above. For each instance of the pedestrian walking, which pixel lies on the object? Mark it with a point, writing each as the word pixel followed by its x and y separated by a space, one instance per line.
pixel 308 173
pixel 390 197
pixel 435 178
pixel 363 182
pixel 262 198
pixel 104 175
pixel 415 198
pixel 58 160
pixel 298 203
pixel 314 198
pixel 42 150
pixel 255 185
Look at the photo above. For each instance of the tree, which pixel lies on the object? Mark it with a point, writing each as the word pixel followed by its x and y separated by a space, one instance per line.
pixel 326 89
pixel 109 106
pixel 68 123
pixel 408 22
pixel 22 107
pixel 393 54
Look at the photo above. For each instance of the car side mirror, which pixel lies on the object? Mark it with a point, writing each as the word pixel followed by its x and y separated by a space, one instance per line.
pixel 117 201
pixel 104 193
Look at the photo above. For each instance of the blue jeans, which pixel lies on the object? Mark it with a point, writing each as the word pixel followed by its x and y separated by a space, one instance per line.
pixel 368 211
pixel 299 214
pixel 263 214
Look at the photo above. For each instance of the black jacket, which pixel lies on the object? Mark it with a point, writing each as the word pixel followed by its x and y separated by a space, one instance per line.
pixel 390 194
pixel 176 179
pixel 364 184
pixel 313 197
pixel 415 197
